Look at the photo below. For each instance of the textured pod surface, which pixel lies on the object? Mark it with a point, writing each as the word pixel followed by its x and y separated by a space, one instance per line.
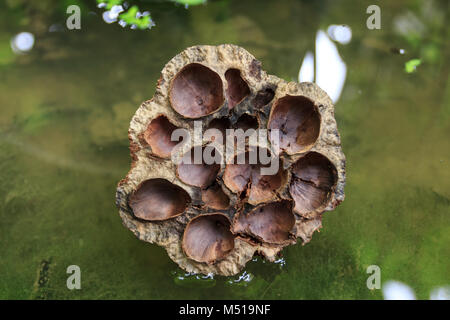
pixel 213 218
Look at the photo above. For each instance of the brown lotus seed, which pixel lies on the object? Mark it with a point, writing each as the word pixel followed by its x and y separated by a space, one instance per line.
pixel 313 177
pixel 270 223
pixel 247 178
pixel 158 136
pixel 196 91
pixel 197 174
pixel 237 88
pixel 298 120
pixel 214 197
pixel 158 199
pixel 207 238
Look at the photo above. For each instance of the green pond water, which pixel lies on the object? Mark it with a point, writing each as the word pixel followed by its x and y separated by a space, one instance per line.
pixel 65 110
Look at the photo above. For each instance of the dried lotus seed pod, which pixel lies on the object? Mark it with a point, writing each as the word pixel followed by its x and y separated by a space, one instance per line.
pixel 214 216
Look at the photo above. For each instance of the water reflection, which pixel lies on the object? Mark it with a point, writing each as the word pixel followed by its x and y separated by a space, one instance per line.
pixel 242 278
pixel 280 262
pixel 112 15
pixel 331 70
pixel 442 293
pixel 408 24
pixel 56 27
pixel 306 73
pixel 396 290
pixel 22 42
pixel 193 280
pixel 340 33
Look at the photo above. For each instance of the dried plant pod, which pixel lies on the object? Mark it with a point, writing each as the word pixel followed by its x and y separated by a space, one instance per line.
pixel 213 218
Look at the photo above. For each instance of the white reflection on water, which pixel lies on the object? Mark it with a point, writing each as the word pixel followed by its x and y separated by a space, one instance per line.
pixel 306 73
pixel 330 68
pixel 22 42
pixel 56 27
pixel 408 24
pixel 242 278
pixel 442 293
pixel 396 290
pixel 197 276
pixel 340 33
pixel 111 15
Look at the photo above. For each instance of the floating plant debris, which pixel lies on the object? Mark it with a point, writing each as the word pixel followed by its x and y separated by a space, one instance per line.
pixel 411 65
pixel 190 2
pixel 214 217
pixel 120 12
